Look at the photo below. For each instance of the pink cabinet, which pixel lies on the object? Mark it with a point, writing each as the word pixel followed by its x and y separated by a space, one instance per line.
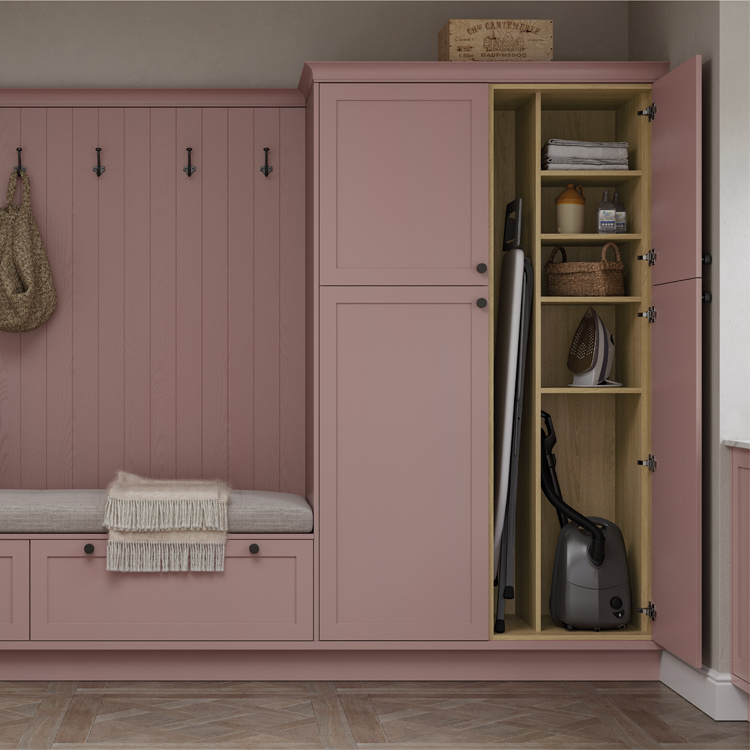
pixel 403 463
pixel 741 568
pixel 404 178
pixel 14 590
pixel 266 596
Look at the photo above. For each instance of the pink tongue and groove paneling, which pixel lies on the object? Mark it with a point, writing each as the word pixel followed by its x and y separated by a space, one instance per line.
pixel 177 346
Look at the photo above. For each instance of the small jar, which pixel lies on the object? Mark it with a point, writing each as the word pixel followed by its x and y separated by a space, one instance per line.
pixel 570 206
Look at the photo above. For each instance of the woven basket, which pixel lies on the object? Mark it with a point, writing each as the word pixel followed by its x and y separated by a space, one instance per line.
pixel 601 279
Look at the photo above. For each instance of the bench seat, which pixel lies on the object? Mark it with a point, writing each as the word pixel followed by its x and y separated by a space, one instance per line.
pixel 82 511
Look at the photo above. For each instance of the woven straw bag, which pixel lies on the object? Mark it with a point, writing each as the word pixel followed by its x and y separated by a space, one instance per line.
pixel 600 279
pixel 27 293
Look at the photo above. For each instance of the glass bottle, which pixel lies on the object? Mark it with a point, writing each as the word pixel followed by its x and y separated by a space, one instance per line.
pixel 605 215
pixel 620 216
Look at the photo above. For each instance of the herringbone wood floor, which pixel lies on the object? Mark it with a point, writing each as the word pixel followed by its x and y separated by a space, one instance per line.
pixel 359 715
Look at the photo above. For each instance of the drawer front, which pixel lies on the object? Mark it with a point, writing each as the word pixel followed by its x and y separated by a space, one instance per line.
pixel 265 596
pixel 14 590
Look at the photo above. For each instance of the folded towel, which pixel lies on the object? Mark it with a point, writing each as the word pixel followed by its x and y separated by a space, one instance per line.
pixel 584 167
pixel 587 144
pixel 160 525
pixel 578 152
pixel 578 160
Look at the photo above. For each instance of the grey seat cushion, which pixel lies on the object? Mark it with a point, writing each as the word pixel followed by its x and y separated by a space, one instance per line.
pixel 82 511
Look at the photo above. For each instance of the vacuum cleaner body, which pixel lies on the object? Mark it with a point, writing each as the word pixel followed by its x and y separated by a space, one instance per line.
pixel 586 596
pixel 590 579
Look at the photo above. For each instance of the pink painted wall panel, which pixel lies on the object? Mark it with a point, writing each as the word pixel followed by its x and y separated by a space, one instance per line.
pixel 214 292
pixel 111 295
pixel 292 299
pixel 137 279
pixel 34 343
pixel 14 590
pixel 10 343
pixel 741 564
pixel 263 596
pixel 166 170
pixel 59 241
pixel 240 375
pixel 266 294
pixel 403 456
pixel 86 296
pixel 403 183
pixel 189 297
pixel 676 484
pixel 172 351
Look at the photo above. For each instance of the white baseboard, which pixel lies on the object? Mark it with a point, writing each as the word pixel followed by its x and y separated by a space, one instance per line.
pixel 710 691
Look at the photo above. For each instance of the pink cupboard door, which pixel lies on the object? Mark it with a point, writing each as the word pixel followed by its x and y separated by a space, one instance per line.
pixel 404 464
pixel 741 568
pixel 14 590
pixel 676 363
pixel 404 176
pixel 263 596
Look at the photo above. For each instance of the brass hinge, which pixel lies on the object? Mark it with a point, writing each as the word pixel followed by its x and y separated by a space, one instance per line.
pixel 649 112
pixel 649 611
pixel 650 462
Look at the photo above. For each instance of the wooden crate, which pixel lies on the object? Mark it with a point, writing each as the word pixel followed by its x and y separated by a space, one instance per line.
pixel 492 40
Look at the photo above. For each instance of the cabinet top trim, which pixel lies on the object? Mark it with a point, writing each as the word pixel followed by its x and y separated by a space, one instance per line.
pixel 481 72
pixel 151 98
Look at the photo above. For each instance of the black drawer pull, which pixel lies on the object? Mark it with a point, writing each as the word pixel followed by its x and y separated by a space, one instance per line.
pixel 89 549
pixel 482 268
pixel 481 302
pixel 254 549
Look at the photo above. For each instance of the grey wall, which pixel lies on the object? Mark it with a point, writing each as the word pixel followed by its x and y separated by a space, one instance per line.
pixel 258 44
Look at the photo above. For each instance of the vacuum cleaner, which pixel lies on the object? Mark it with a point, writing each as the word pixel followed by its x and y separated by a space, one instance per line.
pixel 590 578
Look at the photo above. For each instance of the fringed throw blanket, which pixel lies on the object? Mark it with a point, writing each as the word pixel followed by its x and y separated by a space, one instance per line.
pixel 165 525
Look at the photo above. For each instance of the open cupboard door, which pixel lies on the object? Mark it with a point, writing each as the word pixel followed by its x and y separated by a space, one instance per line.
pixel 676 362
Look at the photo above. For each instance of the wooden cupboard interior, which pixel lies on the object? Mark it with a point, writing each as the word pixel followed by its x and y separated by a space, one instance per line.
pixel 602 432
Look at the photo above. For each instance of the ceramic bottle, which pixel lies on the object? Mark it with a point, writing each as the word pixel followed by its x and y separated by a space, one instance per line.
pixel 570 206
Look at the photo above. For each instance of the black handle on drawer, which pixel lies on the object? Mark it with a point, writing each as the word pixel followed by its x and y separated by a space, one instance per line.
pixel 482 268
pixel 481 302
pixel 254 549
pixel 89 549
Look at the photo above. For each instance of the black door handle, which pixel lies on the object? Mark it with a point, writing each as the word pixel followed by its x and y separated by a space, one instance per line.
pixel 482 268
pixel 481 302
pixel 254 549
pixel 89 549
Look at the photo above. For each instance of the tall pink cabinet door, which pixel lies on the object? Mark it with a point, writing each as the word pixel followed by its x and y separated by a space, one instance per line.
pixel 676 343
pixel 404 183
pixel 14 590
pixel 403 464
pixel 741 568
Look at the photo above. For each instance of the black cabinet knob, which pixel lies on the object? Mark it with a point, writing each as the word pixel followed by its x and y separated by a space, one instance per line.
pixel 89 549
pixel 254 549
pixel 482 268
pixel 481 302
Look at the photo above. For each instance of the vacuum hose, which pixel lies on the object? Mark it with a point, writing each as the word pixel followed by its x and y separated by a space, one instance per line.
pixel 552 493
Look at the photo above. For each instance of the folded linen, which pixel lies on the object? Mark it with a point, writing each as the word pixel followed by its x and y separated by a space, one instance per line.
pixel 165 525
pixel 578 160
pixel 585 149
pixel 584 167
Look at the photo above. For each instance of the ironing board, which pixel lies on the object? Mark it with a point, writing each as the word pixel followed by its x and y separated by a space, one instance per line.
pixel 514 314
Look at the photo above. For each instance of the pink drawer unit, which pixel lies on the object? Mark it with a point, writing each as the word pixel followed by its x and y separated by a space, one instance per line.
pixel 261 596
pixel 14 590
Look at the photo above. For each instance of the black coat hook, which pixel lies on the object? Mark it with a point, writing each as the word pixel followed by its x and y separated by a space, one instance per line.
pixel 266 169
pixel 19 168
pixel 189 169
pixel 99 168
